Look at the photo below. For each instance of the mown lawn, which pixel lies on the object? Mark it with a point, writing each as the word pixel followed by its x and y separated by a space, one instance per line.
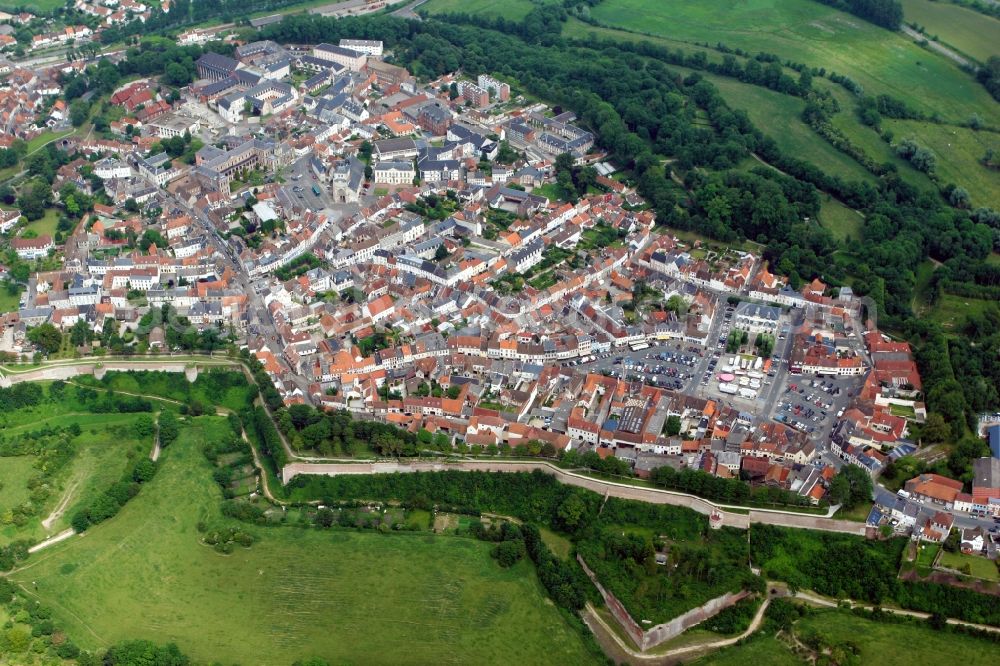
pixel 810 32
pixel 898 644
pixel 980 567
pixel 46 225
pixel 9 301
pixel 349 597
pixel 964 30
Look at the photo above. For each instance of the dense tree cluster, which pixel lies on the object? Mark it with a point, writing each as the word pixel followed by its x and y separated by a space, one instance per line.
pixel 111 501
pixel 886 13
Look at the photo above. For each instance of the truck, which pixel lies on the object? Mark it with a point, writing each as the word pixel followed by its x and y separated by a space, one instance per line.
pixel 316 190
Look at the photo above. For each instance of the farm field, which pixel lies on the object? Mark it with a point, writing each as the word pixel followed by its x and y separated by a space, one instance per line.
pixel 958 151
pixel 964 30
pixel 881 643
pixel 296 593
pixel 881 61
pixel 514 10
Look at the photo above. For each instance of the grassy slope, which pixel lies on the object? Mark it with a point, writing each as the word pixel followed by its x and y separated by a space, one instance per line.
pixel 965 30
pixel 759 650
pixel 840 220
pixel 886 644
pixel 349 597
pixel 958 151
pixel 102 455
pixel 981 567
pixel 509 9
pixel 780 117
pixel 882 62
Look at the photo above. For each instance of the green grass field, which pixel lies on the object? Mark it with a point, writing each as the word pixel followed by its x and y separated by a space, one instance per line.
pixel 349 597
pixel 759 650
pixel 898 644
pixel 842 222
pixel 8 301
pixel 514 10
pixel 33 6
pixel 962 29
pixel 809 32
pixel 780 117
pixel 103 449
pixel 980 566
pixel 958 151
pixel 46 225
pixel 950 311
pixel 12 474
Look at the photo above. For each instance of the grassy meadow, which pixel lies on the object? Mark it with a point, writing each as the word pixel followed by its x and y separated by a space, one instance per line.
pixel 958 151
pixel 514 10
pixel 104 448
pixel 780 117
pixel 809 32
pixel 898 644
pixel 964 30
pixel 349 597
pixel 842 221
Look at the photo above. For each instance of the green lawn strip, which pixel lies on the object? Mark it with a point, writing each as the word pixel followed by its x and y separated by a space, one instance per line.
pixel 894 644
pixel 963 30
pixel 295 593
pixel 819 36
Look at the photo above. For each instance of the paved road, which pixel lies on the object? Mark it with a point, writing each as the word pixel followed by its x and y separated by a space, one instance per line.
pixel 652 495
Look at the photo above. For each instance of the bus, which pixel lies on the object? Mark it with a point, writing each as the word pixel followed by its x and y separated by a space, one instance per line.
pixel 638 346
pixel 315 190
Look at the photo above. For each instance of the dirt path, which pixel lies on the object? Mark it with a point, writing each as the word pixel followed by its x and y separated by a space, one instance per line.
pixel 936 46
pixel 829 603
pixel 60 508
pixel 154 455
pixel 619 651
pixel 51 541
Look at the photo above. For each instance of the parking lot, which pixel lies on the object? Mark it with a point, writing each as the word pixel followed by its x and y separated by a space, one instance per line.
pixel 812 404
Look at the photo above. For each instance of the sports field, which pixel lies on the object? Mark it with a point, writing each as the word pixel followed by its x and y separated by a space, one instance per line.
pixel 898 644
pixel 809 32
pixel 958 151
pixel 349 597
pixel 965 30
pixel 514 10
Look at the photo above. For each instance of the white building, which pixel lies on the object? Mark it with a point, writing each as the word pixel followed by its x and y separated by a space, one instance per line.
pixel 371 47
pixel 394 173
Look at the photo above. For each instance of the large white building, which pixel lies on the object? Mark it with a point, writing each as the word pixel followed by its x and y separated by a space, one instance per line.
pixel 349 58
pixel 372 47
pixel 394 173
